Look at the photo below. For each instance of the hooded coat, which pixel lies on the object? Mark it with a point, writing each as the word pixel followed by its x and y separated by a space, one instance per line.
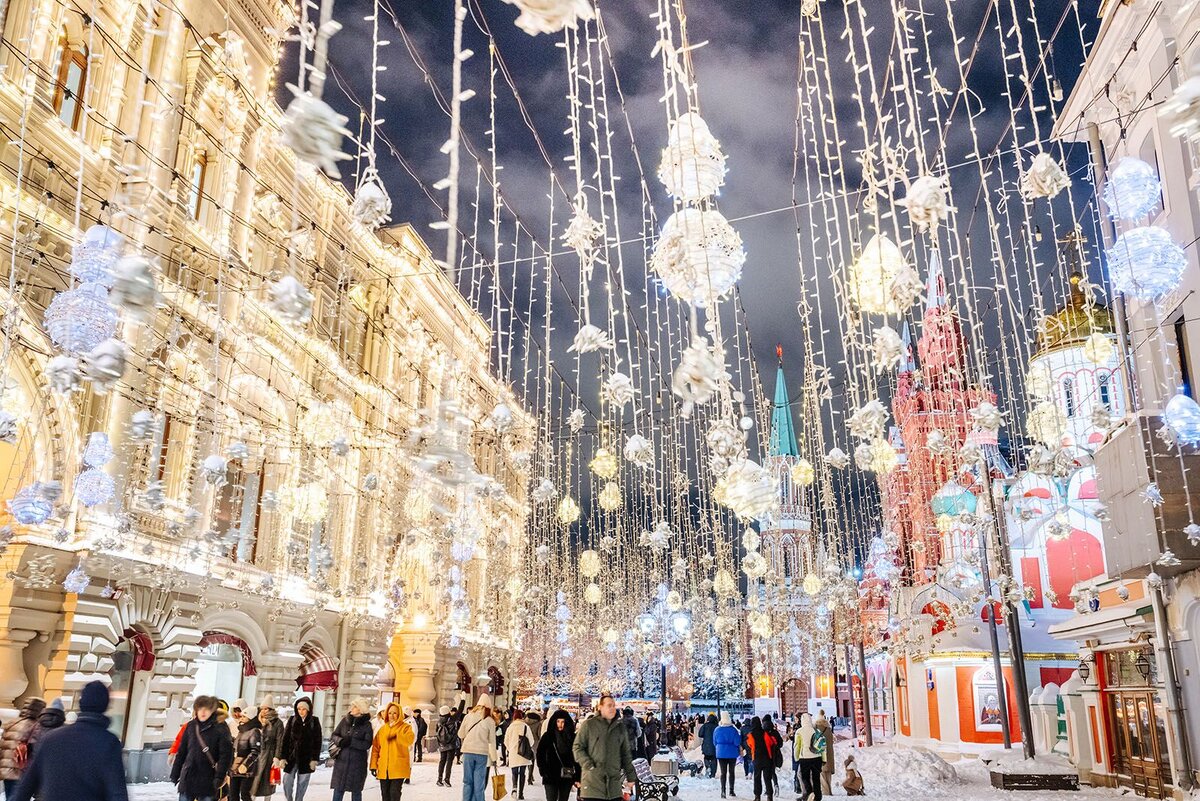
pixel 727 740
pixel 707 747
pixel 16 734
pixel 301 740
pixel 602 750
pixel 763 744
pixel 52 717
pixel 192 771
pixel 389 750
pixel 555 751
pixel 821 724
pixel 804 740
pixel 272 749
pixel 81 762
pixel 247 746
pixel 353 736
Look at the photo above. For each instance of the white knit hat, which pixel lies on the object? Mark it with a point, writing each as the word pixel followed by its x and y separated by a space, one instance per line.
pixel 485 700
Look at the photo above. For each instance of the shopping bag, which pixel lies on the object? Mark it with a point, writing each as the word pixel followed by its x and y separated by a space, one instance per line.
pixel 276 775
pixel 498 788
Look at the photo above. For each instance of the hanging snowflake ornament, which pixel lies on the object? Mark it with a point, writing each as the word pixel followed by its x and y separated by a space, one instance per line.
pixel 658 538
pixel 886 347
pixel 809 8
pixel 970 454
pixel 987 417
pixel 154 496
pixel 639 451
pixel 1102 418
pixel 1044 178
pixel 144 425
pixel 1192 531
pixel 1168 559
pixel 544 492
pixel 62 374
pixel 618 390
pixel 698 256
pixel 290 301
pixel 551 16
pixel 698 376
pixel 868 421
pixel 582 233
pixel 837 459
pixel 542 554
pixel 1098 348
pixel 501 419
pixel 104 365
pixel 862 456
pixel 314 131
pixel 906 287
pixel 134 288
pixel 77 580
pixel 749 490
pixel 371 207
pixel 591 338
pixel 693 166
pixel 754 565
pixel 575 420
pixel 803 473
pixel 725 443
pixel 1152 495
pixel 927 201
pixel 213 469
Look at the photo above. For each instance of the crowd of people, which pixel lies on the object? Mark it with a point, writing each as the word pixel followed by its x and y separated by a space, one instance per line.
pixel 242 752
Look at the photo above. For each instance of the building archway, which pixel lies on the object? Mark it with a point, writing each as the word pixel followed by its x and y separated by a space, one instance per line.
pixel 225 667
pixel 317 679
pixel 128 691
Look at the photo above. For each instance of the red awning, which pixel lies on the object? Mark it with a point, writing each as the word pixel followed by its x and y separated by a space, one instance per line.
pixel 321 680
pixel 142 647
pixel 248 666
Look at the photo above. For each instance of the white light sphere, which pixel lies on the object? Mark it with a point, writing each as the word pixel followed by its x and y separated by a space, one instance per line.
pixel 1183 416
pixel 31 506
pixel 568 510
pixel 870 277
pixel 1145 263
pixel 604 464
pixel 589 563
pixel 592 594
pixel 98 451
pixel 1098 348
pixel 94 487
pixel 803 473
pixel 79 319
pixel 93 258
pixel 610 497
pixel 698 256
pixel 692 166
pixel 1047 424
pixel 1132 189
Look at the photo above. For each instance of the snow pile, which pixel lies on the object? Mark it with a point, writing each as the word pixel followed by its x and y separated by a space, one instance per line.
pixel 1016 764
pixel 903 770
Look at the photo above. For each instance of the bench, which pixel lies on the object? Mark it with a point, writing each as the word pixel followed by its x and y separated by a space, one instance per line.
pixel 649 786
pixel 691 767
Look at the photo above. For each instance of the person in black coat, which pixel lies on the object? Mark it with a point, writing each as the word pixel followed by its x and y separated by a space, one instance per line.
pixel 351 740
pixel 651 730
pixel 205 754
pixel 707 747
pixel 556 758
pixel 52 717
pixel 301 749
pixel 247 749
pixel 81 762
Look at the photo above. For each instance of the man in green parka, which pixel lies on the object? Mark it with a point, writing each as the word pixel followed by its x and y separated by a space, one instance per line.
pixel 602 750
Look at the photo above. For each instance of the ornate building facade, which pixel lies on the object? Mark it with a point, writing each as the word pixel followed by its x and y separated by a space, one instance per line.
pixel 319 557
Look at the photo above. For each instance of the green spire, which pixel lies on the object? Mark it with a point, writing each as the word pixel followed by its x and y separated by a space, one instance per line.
pixel 783 432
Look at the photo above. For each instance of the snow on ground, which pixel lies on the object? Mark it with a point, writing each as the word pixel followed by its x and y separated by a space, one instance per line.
pixel 891 773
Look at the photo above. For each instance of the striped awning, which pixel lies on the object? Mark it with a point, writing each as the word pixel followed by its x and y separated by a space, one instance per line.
pixel 318 672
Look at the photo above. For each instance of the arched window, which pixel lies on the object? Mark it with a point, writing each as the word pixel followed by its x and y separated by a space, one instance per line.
pixel 197 185
pixel 70 82
pixel 1068 386
pixel 1104 384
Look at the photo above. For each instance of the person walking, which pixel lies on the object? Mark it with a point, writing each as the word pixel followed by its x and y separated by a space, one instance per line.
pixel 301 749
pixel 81 762
pixel 272 751
pixel 556 757
pixel 747 761
pixel 420 729
pixel 809 748
pixel 446 734
pixel 477 733
pixel 350 748
pixel 726 746
pixel 603 753
pixel 52 717
pixel 764 745
pixel 707 747
pixel 14 745
pixel 518 741
pixel 651 731
pixel 822 724
pixel 534 721
pixel 390 761
pixel 501 730
pixel 205 754
pixel 247 749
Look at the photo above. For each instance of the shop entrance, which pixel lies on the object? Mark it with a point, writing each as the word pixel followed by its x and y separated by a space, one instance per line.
pixel 1138 723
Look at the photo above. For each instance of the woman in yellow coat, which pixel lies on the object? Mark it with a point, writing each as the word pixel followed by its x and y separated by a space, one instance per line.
pixel 389 753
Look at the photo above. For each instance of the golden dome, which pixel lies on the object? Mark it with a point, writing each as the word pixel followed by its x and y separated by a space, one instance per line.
pixel 1075 322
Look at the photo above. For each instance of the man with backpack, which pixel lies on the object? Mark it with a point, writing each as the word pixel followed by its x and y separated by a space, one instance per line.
pixel 809 749
pixel 447 743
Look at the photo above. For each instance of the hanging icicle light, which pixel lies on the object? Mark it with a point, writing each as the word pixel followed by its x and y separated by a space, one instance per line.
pixel 568 510
pixel 1132 189
pixel 1145 263
pixel 93 258
pixel 551 16
pixel 692 166
pixel 803 473
pixel 698 256
pixel 79 319
pixel 1182 415
pixel 870 277
pixel 1044 178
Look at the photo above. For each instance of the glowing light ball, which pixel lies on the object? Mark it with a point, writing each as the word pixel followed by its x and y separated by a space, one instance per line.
pixel 1182 415
pixel 1038 382
pixel 98 451
pixel 93 258
pixel 1132 190
pixel 1047 424
pixel 750 490
pixel 610 497
pixel 1145 263
pixel 883 457
pixel 611 636
pixel 639 451
pixel 724 584
pixel 1098 348
pixel 589 563
pixel 94 487
pixel 568 510
pixel 803 473
pixel 592 594
pixel 1044 178
pixel 31 506
pixel 870 277
pixel 754 565
pixel 812 584
pixel 698 256
pixel 80 319
pixel 692 166
pixel 604 464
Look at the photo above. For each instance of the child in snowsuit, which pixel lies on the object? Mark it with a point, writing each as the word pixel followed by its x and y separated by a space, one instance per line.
pixel 854 782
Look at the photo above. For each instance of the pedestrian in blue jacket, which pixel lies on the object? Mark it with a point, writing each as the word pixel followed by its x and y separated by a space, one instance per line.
pixel 727 741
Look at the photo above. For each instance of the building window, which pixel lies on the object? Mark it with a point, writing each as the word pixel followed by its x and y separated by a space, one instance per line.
pixel 1068 386
pixel 1181 350
pixel 197 185
pixel 70 83
pixel 1104 383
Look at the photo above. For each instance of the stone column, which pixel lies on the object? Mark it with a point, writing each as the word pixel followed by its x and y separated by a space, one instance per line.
pixel 414 653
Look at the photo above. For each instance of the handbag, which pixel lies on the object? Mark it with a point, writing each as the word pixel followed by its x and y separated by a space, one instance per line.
pixel 498 788
pixel 276 775
pixel 524 749
pixel 565 772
